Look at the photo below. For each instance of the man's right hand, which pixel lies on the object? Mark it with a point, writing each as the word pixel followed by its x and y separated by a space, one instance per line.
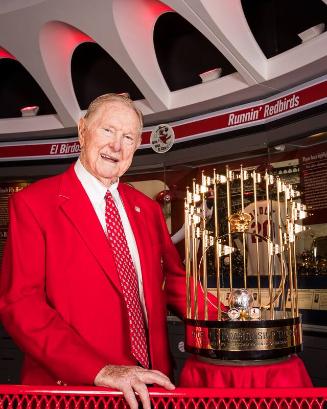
pixel 131 379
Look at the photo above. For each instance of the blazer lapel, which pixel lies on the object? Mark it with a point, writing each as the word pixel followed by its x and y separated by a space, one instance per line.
pixel 76 205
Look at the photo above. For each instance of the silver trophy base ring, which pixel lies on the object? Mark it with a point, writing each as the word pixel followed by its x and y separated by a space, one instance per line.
pixel 238 362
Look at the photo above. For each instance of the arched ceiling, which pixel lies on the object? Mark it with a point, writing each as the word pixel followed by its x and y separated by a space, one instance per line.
pixel 61 54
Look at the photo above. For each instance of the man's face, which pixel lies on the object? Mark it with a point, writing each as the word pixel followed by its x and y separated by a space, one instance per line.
pixel 108 139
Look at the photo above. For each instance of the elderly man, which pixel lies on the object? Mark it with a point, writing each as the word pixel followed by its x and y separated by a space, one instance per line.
pixel 85 264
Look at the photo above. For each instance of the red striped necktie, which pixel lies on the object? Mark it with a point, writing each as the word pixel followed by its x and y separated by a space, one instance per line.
pixel 128 281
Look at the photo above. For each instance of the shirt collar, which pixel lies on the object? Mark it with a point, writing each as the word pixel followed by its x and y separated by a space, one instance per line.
pixel 95 190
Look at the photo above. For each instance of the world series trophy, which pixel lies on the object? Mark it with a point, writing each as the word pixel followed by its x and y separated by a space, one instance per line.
pixel 254 313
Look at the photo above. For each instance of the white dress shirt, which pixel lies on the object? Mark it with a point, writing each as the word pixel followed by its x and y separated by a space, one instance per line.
pixel 96 192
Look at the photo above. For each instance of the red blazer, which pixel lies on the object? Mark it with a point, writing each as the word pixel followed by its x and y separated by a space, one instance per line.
pixel 60 296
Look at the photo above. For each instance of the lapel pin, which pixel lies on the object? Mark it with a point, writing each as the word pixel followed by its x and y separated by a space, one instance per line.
pixel 137 209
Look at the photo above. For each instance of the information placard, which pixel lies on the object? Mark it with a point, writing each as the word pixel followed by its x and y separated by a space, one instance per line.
pixel 6 190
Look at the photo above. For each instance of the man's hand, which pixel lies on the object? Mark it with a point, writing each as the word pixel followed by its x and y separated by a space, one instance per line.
pixel 128 379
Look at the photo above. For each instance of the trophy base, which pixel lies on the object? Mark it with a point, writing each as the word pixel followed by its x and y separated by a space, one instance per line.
pixel 244 362
pixel 244 340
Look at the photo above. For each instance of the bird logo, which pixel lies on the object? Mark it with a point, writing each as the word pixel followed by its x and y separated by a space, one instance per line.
pixel 162 138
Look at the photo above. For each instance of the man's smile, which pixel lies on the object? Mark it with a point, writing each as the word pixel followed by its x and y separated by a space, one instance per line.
pixel 109 158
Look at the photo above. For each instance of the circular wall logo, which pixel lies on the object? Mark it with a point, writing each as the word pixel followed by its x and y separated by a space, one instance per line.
pixel 162 138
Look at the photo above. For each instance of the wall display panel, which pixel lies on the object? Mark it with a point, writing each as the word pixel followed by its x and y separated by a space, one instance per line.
pixel 6 190
pixel 314 178
pixel 10 355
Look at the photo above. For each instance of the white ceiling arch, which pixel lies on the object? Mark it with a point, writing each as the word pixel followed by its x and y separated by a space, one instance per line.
pixel 58 41
pixel 137 40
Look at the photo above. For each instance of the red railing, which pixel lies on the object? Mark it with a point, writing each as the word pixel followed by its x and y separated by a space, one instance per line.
pixel 28 397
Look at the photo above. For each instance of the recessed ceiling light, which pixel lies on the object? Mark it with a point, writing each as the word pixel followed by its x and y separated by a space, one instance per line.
pixel 30 110
pixel 211 74
pixel 312 32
